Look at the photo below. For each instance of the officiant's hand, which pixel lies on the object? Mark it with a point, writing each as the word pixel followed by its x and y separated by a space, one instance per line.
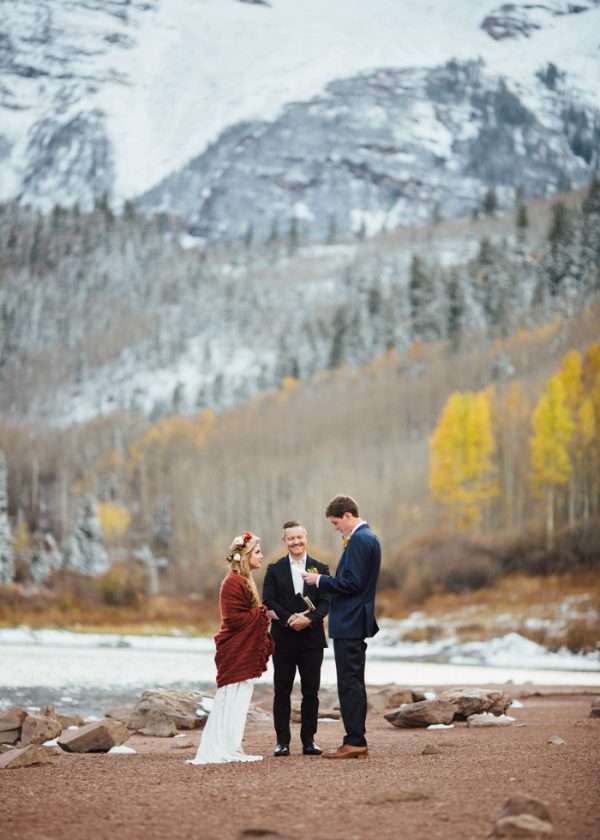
pixel 299 621
pixel 310 578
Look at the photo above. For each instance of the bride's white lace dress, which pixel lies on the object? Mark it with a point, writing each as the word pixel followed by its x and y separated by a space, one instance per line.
pixel 222 736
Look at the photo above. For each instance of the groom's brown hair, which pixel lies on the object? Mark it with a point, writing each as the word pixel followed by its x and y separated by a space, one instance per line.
pixel 340 505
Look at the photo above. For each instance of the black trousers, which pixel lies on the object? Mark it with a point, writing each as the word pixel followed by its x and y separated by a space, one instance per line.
pixel 308 661
pixel 350 667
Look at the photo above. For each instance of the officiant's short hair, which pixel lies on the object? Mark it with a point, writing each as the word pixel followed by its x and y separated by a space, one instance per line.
pixel 340 505
pixel 293 523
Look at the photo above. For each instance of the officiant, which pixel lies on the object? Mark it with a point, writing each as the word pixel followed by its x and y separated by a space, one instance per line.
pixel 299 637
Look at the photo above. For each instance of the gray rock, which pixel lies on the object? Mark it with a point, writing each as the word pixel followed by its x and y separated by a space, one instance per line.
pixel 177 705
pixel 390 698
pixel 556 741
pixel 423 713
pixel 99 736
pixel 488 719
pixel 523 816
pixel 474 701
pixel 522 825
pixel 32 754
pixel 182 744
pixel 430 749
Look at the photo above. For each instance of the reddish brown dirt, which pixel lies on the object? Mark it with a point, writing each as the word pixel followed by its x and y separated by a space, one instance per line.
pixel 154 796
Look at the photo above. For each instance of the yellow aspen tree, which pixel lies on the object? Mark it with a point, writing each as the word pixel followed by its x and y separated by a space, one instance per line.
pixel 511 418
pixel 585 436
pixel 570 374
pixel 591 380
pixel 553 430
pixel 462 446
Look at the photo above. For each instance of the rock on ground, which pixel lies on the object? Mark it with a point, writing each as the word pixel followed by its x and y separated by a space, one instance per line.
pixel 177 705
pixel 474 701
pixel 423 713
pixel 32 754
pixel 95 737
pixel 38 728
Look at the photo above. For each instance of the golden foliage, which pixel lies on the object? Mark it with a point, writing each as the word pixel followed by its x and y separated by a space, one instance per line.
pixel 115 520
pixel 462 446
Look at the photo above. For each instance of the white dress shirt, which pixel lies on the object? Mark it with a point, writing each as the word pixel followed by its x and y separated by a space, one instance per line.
pixel 297 567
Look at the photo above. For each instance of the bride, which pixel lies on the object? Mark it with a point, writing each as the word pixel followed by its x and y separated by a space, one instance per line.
pixel 243 648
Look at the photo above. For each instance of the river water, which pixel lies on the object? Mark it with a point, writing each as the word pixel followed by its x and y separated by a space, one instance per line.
pixel 92 672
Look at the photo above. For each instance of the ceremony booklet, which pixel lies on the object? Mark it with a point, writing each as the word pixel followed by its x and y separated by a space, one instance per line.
pixel 301 603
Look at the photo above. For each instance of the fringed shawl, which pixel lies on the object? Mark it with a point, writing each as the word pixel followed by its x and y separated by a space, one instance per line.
pixel 243 641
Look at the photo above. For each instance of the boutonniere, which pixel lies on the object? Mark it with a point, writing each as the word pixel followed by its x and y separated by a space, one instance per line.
pixel 345 541
pixel 314 570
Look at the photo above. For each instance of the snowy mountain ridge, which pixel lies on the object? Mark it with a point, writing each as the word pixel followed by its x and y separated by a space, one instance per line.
pixel 114 96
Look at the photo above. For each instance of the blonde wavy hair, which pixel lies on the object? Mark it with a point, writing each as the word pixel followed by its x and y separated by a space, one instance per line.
pixel 239 561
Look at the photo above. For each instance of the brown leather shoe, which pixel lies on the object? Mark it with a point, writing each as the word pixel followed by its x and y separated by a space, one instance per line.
pixel 347 751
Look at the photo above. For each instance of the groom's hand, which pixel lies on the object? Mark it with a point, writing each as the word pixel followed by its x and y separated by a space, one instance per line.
pixel 299 621
pixel 310 578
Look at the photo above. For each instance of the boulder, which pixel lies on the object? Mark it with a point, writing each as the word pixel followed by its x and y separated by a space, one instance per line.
pixel 474 701
pixel 99 736
pixel 5 748
pixel 522 825
pixel 121 713
pixel 32 754
pixel 422 713
pixel 595 710
pixel 178 705
pixel 523 803
pixel 11 722
pixel 38 728
pixel 10 736
pixel 523 816
pixel 488 719
pixel 12 719
pixel 70 720
pixel 158 726
pixel 182 744
pixel 331 713
pixel 390 697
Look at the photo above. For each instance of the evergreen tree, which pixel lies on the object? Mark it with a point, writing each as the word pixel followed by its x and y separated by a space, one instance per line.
pixel 490 202
pixel 7 559
pixel 85 552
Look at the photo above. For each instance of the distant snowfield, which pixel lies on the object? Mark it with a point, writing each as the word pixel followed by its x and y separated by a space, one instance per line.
pixel 199 66
pixel 86 661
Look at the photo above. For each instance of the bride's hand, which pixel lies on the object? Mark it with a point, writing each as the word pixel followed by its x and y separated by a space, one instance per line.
pixel 272 615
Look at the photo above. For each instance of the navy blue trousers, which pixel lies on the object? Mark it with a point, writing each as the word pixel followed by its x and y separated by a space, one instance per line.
pixel 350 667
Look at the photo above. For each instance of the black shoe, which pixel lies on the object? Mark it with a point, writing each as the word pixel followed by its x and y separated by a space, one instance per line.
pixel 282 749
pixel 311 749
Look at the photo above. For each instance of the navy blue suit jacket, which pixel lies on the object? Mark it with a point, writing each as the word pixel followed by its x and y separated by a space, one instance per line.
pixel 352 609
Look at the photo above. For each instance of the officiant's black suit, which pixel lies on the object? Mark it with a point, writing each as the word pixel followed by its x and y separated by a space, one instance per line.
pixel 301 649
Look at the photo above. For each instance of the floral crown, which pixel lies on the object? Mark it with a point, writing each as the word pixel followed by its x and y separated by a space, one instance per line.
pixel 239 546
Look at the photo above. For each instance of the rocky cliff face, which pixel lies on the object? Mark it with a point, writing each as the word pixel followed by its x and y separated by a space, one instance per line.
pixel 382 150
pixel 237 115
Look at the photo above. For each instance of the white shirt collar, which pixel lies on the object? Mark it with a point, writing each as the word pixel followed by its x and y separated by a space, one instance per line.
pixel 297 562
pixel 358 524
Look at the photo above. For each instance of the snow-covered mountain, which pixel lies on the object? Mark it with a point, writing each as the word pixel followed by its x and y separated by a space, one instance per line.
pixel 314 109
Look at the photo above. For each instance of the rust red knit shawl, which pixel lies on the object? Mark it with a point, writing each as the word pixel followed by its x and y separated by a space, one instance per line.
pixel 243 641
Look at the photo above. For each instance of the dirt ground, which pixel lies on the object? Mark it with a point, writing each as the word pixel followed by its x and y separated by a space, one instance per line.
pixel 397 793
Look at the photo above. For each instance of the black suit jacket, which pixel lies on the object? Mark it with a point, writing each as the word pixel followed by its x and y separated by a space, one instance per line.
pixel 279 595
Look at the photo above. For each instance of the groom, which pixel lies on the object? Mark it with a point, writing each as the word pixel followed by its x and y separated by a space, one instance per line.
pixel 351 617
